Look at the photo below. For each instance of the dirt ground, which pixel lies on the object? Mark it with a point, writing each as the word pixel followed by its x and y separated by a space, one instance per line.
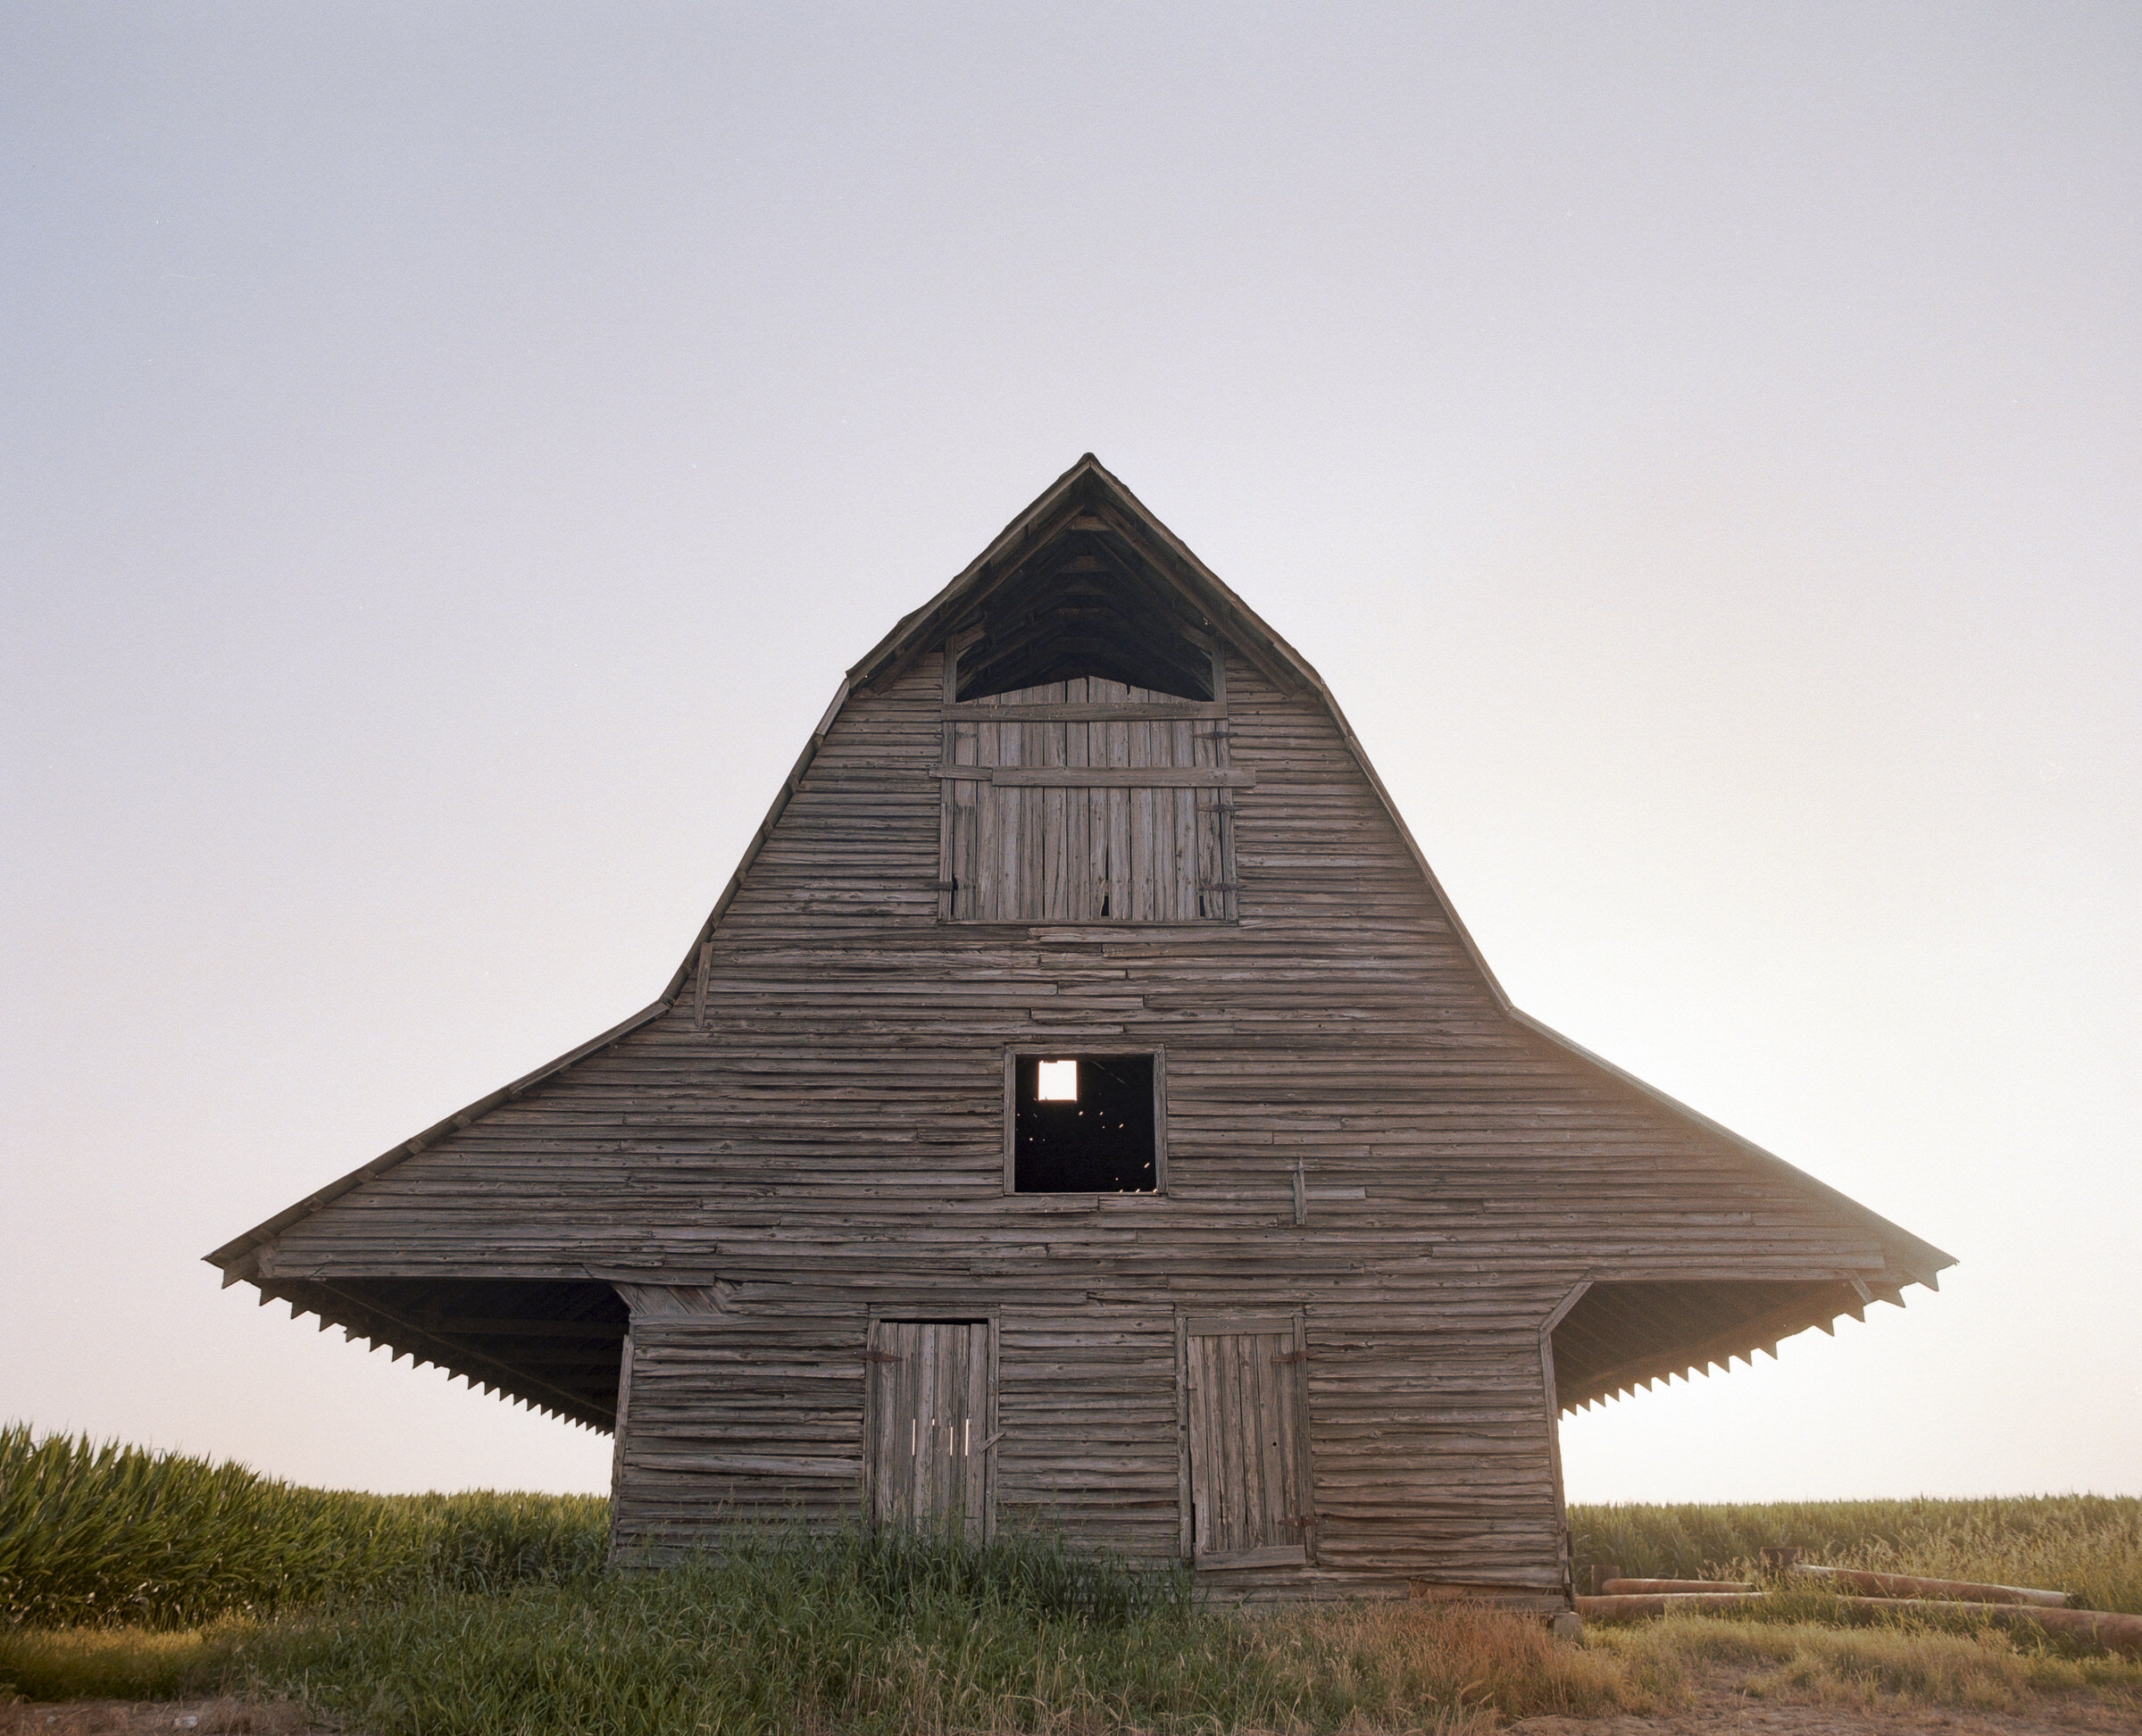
pixel 1720 1710
pixel 215 1718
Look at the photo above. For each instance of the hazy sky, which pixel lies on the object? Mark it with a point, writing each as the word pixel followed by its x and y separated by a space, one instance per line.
pixel 449 452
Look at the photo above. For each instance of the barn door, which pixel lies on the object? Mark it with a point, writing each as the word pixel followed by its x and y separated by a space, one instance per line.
pixel 1245 1385
pixel 1057 820
pixel 927 1417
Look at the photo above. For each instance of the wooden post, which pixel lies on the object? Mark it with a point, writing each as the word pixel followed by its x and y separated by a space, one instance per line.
pixel 617 1444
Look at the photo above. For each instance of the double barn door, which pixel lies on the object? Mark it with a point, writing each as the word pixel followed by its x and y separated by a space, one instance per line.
pixel 927 1441
pixel 929 1436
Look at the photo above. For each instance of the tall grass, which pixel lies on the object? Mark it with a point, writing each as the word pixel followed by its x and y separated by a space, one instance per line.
pixel 855 1633
pixel 786 1640
pixel 93 1533
pixel 777 1632
pixel 2089 1546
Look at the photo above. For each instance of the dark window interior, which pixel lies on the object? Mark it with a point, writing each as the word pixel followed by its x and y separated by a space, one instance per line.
pixel 1085 1126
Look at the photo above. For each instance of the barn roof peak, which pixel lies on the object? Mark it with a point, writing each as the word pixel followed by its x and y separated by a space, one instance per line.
pixel 1086 574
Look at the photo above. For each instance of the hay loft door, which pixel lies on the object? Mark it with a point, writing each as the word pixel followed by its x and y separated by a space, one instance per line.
pixel 1086 801
pixel 929 1443
pixel 1245 1396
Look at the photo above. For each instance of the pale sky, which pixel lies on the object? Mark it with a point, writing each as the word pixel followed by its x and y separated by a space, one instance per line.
pixel 449 454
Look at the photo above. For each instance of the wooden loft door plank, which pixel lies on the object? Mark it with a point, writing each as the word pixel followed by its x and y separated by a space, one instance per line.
pixel 927 1436
pixel 1245 1404
pixel 1062 819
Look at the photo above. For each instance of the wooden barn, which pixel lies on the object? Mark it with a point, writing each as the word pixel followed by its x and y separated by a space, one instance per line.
pixel 1083 1109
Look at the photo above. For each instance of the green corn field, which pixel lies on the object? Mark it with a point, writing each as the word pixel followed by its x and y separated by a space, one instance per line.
pixel 2089 1546
pixel 95 1534
pixel 103 1533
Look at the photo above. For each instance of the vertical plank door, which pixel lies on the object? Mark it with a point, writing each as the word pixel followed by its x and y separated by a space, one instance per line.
pixel 1071 853
pixel 928 1419
pixel 1247 1386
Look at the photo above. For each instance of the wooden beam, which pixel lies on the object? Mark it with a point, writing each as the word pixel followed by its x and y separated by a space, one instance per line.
pixel 1232 622
pixel 981 710
pixel 1204 1325
pixel 1102 777
pixel 1272 1555
pixel 1562 1308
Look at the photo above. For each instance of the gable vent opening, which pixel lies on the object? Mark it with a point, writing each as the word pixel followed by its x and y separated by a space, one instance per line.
pixel 1083 612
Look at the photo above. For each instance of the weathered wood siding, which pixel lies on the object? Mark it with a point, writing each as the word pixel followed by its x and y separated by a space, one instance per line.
pixel 829 1146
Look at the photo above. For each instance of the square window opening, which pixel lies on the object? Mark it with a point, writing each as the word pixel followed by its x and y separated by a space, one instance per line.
pixel 1084 1123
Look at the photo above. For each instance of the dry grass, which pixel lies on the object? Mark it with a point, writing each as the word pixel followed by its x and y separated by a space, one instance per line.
pixel 1389 1665
pixel 125 1664
pixel 1900 1665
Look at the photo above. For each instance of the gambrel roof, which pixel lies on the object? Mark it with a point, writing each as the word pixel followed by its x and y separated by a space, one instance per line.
pixel 1088 578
